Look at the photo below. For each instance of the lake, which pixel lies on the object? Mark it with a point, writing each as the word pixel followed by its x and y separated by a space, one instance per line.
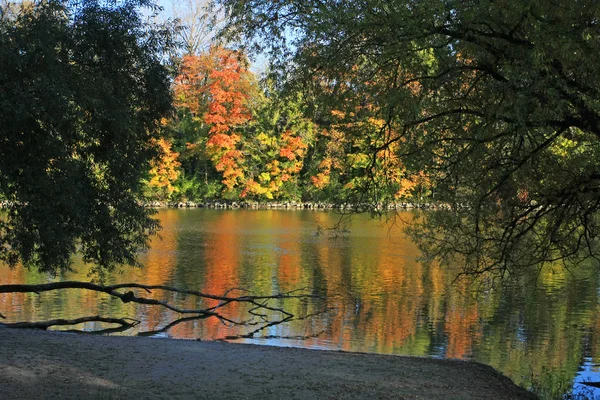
pixel 543 333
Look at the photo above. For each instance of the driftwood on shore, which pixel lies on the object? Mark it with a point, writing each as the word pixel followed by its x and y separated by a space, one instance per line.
pixel 259 311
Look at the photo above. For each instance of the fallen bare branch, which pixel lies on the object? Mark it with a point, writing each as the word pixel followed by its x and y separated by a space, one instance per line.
pixel 294 337
pixel 124 322
pixel 260 310
pixel 170 325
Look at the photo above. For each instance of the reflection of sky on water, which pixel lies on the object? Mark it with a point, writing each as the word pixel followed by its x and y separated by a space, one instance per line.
pixel 588 372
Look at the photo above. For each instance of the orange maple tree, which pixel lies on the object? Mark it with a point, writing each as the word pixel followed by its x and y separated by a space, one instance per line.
pixel 216 88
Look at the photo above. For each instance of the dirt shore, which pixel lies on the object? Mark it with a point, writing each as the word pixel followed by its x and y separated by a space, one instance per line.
pixel 47 365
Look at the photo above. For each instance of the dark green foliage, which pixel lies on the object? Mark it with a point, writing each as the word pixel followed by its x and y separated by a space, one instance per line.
pixel 82 88
pixel 497 102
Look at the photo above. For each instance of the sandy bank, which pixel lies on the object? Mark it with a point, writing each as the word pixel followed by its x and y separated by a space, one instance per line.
pixel 45 365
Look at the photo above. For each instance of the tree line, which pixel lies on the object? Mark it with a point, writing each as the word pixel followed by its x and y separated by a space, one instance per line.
pixel 238 136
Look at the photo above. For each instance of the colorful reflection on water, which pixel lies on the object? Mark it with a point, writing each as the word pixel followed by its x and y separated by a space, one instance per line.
pixel 544 336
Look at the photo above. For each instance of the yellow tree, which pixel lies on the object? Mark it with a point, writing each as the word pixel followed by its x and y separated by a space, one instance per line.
pixel 164 170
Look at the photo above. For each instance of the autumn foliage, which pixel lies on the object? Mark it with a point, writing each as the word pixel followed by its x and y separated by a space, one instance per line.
pixel 284 165
pixel 165 169
pixel 216 88
pixel 247 141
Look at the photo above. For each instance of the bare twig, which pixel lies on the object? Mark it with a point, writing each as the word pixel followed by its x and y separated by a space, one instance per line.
pixel 259 311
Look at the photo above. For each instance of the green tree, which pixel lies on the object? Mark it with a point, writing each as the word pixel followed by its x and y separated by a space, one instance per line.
pixel 496 102
pixel 276 141
pixel 83 86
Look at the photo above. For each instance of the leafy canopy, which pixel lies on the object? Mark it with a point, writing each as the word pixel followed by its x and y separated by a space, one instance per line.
pixel 83 86
pixel 495 103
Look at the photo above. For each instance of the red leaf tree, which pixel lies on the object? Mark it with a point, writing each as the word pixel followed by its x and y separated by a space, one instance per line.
pixel 216 88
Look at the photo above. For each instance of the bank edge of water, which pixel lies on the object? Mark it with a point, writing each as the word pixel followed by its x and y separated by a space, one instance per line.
pixel 53 365
pixel 293 205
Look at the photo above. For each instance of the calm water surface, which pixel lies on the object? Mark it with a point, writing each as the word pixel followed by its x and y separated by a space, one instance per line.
pixel 545 336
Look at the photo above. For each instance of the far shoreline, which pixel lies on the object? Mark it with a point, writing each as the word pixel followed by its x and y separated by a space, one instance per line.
pixel 53 365
pixel 298 205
